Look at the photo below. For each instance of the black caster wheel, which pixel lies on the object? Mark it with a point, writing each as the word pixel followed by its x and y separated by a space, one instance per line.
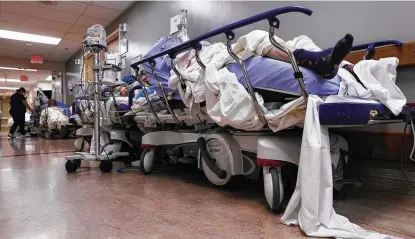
pixel 273 189
pixel 105 166
pixel 77 162
pixel 71 166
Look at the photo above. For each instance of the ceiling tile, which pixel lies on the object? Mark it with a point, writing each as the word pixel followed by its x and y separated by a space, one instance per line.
pixel 60 55
pixel 73 37
pixel 64 6
pixel 117 5
pixel 89 21
pixel 101 12
pixel 69 43
pixel 41 30
pixel 38 12
pixel 33 22
pixel 76 29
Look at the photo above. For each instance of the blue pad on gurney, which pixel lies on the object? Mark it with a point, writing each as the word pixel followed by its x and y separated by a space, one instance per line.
pixel 350 113
pixel 274 75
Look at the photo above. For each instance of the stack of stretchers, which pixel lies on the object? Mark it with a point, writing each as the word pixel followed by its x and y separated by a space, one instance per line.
pixel 295 99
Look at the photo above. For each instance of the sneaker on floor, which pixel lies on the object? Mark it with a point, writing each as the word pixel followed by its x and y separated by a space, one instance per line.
pixel 10 136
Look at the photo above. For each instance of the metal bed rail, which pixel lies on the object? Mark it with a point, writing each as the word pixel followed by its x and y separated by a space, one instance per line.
pixel 370 47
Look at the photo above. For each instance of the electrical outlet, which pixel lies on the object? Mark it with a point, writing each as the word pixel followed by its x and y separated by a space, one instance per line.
pixel 77 61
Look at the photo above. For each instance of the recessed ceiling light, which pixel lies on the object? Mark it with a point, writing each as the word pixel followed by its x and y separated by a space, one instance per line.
pixel 10 80
pixel 15 69
pixel 28 44
pixel 20 36
pixel 8 88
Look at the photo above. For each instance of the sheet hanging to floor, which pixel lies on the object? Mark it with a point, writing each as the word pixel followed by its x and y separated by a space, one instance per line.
pixel 311 205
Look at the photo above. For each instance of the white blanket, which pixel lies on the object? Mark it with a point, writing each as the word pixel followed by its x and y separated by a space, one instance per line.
pixel 311 205
pixel 379 78
pixel 53 117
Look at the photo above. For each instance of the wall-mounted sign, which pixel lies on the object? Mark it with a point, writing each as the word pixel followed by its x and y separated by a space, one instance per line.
pixel 24 78
pixel 36 59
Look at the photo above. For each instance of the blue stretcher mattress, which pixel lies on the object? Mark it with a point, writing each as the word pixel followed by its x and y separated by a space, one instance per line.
pixel 271 74
pixel 263 73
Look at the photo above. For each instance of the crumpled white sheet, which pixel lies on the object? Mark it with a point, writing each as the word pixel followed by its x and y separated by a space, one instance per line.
pixel 54 117
pixel 311 205
pixel 379 78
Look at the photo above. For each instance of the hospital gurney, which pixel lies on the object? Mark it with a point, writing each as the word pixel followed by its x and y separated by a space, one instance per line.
pixel 54 121
pixel 224 152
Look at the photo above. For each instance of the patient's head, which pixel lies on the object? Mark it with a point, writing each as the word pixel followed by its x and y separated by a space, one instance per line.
pixel 52 102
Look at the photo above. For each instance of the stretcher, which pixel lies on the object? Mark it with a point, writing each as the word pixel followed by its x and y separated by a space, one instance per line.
pixel 173 133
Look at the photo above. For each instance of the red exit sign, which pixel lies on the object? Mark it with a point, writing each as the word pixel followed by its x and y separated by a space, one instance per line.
pixel 36 59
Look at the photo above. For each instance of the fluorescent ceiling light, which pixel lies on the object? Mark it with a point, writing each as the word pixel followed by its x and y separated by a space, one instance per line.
pixel 8 88
pixel 29 37
pixel 15 69
pixel 10 80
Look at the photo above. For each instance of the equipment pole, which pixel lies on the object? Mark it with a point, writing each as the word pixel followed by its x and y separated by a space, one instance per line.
pixel 97 96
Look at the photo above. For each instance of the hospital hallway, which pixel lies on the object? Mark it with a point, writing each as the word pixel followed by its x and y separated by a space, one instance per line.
pixel 38 199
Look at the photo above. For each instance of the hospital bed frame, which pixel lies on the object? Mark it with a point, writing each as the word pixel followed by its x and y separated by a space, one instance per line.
pixel 270 149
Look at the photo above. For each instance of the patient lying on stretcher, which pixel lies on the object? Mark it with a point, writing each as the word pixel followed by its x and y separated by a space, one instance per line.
pixel 53 116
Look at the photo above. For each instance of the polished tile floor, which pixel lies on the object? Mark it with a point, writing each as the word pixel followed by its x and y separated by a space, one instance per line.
pixel 38 199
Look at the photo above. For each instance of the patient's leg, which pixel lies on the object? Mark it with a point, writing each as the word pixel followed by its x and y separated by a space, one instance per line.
pixel 325 62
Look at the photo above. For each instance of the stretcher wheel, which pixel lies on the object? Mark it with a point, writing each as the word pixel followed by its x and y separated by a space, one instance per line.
pixel 273 187
pixel 105 166
pixel 77 162
pixel 147 160
pixel 220 152
pixel 71 166
pixel 79 144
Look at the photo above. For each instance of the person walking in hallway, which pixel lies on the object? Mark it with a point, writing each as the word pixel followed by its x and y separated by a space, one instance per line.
pixel 18 106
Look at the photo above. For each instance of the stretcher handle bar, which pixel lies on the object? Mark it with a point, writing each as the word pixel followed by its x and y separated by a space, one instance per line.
pixel 176 71
pixel 228 28
pixel 147 98
pixel 230 36
pixel 198 47
pixel 153 72
pixel 373 45
pixel 131 94
pixel 298 75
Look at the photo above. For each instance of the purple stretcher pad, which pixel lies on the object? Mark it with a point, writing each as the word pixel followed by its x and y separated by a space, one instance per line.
pixel 347 113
